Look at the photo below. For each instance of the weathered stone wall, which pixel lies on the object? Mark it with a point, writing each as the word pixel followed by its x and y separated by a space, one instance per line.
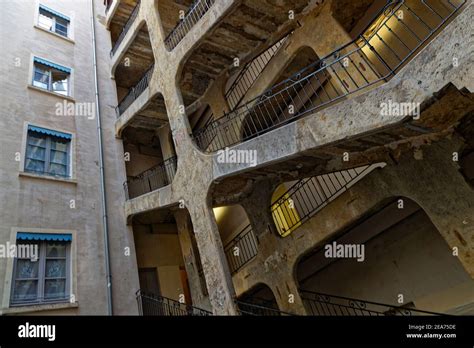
pixel 418 81
pixel 433 182
pixel 42 203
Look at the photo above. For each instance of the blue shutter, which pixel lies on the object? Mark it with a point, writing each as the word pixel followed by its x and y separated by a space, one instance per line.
pixel 53 12
pixel 50 132
pixel 53 65
pixel 60 237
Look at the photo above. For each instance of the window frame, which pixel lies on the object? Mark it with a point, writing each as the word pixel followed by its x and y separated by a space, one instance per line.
pixel 41 279
pixel 53 29
pixel 47 156
pixel 49 72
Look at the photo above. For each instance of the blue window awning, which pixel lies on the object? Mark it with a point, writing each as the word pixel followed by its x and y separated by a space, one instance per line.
pixel 53 12
pixel 60 237
pixel 53 65
pixel 50 132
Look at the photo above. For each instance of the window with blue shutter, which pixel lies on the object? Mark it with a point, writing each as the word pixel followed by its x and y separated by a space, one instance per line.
pixel 51 76
pixel 41 271
pixel 48 152
pixel 53 21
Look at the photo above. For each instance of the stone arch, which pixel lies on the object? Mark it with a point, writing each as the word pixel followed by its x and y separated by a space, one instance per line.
pixel 403 254
pixel 258 300
pixel 237 236
pixel 140 42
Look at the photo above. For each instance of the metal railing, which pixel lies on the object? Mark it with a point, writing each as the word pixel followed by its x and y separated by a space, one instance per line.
pixel 330 305
pixel 250 73
pixel 293 208
pixel 396 33
pixel 308 196
pixel 125 28
pixel 153 304
pixel 259 307
pixel 192 16
pixel 240 250
pixel 239 88
pixel 151 179
pixel 135 92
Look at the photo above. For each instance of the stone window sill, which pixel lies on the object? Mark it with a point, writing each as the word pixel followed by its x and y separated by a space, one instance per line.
pixel 55 34
pixel 48 177
pixel 42 90
pixel 38 308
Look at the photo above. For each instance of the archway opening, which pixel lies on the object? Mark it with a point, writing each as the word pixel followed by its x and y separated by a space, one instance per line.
pixel 394 261
pixel 258 300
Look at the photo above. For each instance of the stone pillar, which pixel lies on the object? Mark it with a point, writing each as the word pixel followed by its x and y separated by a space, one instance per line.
pixel 216 97
pixel 286 293
pixel 257 206
pixel 155 27
pixel 191 262
pixel 436 184
pixel 343 78
pixel 216 270
pixel 178 120
pixel 167 148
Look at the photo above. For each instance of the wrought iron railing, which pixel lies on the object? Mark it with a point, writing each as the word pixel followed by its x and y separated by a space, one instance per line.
pixel 192 16
pixel 293 208
pixel 125 28
pixel 329 305
pixel 259 307
pixel 250 73
pixel 240 250
pixel 308 196
pixel 239 88
pixel 395 35
pixel 156 305
pixel 151 179
pixel 135 92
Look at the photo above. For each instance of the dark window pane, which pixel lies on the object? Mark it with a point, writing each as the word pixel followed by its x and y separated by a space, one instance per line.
pixel 55 269
pixel 54 288
pixel 59 145
pixel 26 269
pixel 58 157
pixel 34 166
pixel 36 153
pixel 62 22
pixel 41 78
pixel 25 290
pixel 58 169
pixel 36 139
pixel 56 250
pixel 61 28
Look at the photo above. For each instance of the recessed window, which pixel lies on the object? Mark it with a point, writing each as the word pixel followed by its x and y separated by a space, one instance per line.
pixel 107 4
pixel 47 152
pixel 41 271
pixel 53 21
pixel 50 76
